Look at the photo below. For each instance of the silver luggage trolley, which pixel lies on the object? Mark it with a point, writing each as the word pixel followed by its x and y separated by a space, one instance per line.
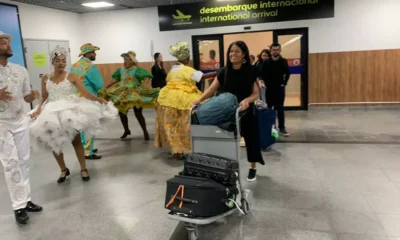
pixel 215 141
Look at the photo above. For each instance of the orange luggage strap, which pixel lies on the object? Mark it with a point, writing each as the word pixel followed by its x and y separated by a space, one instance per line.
pixel 181 188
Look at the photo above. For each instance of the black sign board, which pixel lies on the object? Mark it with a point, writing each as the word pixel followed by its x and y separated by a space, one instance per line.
pixel 215 13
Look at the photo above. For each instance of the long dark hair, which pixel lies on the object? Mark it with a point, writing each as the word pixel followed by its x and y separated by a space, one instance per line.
pixel 260 60
pixel 156 55
pixel 246 65
pixel 243 46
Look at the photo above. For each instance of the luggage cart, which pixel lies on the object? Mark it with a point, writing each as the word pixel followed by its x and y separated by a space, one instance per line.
pixel 215 141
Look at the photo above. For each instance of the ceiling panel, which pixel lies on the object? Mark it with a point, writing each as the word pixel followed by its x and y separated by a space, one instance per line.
pixel 75 5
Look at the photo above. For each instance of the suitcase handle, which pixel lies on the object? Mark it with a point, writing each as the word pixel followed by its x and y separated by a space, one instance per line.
pixel 181 189
pixel 186 200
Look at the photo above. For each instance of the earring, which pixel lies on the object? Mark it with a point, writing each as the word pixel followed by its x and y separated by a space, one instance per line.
pixel 243 61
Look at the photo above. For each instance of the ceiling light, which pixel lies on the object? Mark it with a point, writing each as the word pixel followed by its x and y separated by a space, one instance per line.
pixel 97 4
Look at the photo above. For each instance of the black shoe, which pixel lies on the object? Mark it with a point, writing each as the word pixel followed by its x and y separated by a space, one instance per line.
pixel 126 133
pixel 85 179
pixel 252 175
pixel 93 157
pixel 283 132
pixel 146 136
pixel 31 207
pixel 62 179
pixel 21 216
pixel 95 150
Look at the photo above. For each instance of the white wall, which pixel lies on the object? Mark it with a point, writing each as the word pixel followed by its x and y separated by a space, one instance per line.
pixel 45 23
pixel 358 25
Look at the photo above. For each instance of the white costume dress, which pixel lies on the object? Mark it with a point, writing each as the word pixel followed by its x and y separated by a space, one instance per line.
pixel 14 134
pixel 64 114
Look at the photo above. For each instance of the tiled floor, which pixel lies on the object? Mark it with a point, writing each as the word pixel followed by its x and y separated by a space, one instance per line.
pixel 306 191
pixel 338 125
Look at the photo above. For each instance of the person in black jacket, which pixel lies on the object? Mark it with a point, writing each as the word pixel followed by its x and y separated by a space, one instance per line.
pixel 262 57
pixel 275 74
pixel 158 72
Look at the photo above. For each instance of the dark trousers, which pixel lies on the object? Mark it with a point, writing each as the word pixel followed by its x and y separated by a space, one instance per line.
pixel 251 135
pixel 139 116
pixel 275 98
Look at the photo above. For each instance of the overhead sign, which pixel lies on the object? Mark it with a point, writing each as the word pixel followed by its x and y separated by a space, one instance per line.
pixel 214 13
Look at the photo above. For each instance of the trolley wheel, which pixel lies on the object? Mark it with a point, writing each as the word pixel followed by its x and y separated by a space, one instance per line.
pixel 193 231
pixel 193 235
pixel 245 206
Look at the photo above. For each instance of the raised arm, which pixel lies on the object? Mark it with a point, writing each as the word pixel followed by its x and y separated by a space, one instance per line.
pixel 209 75
pixel 79 86
pixel 209 92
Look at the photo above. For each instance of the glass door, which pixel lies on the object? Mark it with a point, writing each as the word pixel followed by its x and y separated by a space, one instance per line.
pixel 294 44
pixel 208 56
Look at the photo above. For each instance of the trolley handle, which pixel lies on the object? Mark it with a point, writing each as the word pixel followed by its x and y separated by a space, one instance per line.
pixel 238 117
pixel 192 109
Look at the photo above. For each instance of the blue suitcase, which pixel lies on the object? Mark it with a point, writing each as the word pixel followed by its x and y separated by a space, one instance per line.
pixel 266 120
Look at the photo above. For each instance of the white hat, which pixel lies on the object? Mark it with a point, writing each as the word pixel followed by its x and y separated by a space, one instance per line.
pixel 4 35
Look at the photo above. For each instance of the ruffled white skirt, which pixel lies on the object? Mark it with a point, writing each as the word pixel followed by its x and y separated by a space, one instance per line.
pixel 60 121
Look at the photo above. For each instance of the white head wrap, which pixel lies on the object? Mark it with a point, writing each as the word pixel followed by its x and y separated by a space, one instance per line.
pixel 58 51
pixel 180 50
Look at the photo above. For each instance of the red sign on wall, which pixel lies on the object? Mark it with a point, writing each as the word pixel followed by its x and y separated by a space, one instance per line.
pixel 293 62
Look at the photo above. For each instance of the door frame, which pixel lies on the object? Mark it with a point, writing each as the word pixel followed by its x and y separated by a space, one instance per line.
pixel 196 53
pixel 48 40
pixel 304 61
pixel 195 48
pixel 285 31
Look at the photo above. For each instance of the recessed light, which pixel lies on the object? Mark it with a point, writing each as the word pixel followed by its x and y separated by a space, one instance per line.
pixel 97 4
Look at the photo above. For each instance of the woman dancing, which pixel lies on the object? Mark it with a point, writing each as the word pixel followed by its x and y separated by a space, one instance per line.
pixel 174 102
pixel 131 88
pixel 240 78
pixel 61 114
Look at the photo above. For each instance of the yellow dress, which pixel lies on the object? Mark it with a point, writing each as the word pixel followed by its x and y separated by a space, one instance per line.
pixel 174 103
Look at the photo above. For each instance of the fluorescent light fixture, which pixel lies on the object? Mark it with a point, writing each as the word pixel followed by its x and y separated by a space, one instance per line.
pixel 97 4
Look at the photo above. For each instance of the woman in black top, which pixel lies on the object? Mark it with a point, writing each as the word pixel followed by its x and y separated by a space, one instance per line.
pixel 262 57
pixel 240 79
pixel 158 72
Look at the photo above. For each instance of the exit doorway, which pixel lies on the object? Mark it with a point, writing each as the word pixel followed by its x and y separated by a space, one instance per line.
pixel 209 54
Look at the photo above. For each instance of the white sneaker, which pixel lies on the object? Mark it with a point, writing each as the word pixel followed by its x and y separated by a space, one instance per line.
pixel 252 175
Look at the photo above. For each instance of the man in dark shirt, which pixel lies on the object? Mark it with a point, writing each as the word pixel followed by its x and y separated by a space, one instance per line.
pixel 275 73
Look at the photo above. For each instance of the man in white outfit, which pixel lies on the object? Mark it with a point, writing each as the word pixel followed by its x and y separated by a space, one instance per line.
pixel 14 131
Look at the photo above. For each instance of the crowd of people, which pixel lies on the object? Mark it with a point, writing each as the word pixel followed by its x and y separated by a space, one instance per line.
pixel 75 106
